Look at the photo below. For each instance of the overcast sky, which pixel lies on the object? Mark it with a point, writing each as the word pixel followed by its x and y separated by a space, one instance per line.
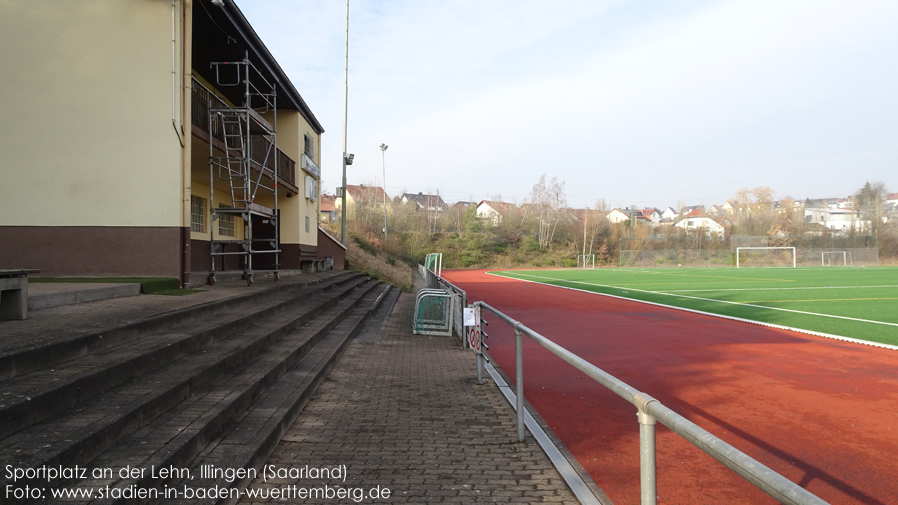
pixel 643 102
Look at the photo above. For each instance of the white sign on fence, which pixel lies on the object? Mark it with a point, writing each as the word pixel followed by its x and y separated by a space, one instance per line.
pixel 473 329
pixel 470 319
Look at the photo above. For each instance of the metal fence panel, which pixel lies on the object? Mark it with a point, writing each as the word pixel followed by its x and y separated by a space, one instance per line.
pixel 704 251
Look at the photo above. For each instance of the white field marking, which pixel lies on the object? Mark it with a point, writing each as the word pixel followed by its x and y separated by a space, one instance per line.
pixel 785 269
pixel 774 289
pixel 720 301
pixel 731 318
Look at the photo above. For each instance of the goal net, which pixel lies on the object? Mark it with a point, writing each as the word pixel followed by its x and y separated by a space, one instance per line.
pixel 765 257
pixel 434 263
pixel 586 261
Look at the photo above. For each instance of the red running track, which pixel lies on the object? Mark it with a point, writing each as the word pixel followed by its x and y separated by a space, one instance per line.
pixel 821 412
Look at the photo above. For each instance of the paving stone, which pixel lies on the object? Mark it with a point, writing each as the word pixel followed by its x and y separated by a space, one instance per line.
pixel 402 411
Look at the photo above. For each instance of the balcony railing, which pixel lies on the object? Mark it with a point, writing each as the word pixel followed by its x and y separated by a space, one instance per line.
pixel 201 96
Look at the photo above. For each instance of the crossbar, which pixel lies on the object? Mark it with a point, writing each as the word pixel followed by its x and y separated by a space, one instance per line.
pixel 794 253
pixel 648 411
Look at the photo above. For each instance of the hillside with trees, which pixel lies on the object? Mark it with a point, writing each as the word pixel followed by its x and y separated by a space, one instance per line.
pixel 545 232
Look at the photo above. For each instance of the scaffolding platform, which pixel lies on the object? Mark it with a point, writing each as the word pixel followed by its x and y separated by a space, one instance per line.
pixel 246 167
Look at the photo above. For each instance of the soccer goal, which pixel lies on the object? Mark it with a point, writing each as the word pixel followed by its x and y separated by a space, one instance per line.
pixel 434 263
pixel 836 259
pixel 586 261
pixel 765 257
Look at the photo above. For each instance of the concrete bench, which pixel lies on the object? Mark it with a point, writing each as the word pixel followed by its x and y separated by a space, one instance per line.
pixel 317 265
pixel 14 294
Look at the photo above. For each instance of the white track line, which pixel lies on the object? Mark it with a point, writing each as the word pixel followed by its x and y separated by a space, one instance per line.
pixel 731 318
pixel 774 289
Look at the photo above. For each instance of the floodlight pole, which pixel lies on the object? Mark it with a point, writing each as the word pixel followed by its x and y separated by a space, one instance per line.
pixel 345 116
pixel 383 151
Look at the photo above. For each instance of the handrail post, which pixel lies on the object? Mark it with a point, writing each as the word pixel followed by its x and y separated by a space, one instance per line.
pixel 479 368
pixel 519 380
pixel 647 483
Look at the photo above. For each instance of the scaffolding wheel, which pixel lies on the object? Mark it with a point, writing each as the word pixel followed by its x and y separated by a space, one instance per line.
pixel 211 279
pixel 275 277
pixel 249 280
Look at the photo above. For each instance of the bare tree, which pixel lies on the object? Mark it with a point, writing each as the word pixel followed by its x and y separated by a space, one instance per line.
pixel 763 197
pixel 869 202
pixel 548 200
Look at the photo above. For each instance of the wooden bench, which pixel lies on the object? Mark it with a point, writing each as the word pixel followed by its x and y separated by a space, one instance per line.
pixel 14 294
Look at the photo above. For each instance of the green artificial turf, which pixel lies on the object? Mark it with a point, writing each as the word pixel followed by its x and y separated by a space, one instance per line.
pixel 148 285
pixel 856 302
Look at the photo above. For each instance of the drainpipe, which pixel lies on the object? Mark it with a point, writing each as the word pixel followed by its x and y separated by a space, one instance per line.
pixel 186 16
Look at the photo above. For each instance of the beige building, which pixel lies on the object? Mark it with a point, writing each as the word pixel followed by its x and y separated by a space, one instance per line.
pixel 111 106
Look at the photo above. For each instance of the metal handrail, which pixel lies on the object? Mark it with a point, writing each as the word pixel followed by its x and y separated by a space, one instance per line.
pixel 648 411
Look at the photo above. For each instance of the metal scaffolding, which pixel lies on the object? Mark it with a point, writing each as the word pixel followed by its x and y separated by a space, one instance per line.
pixel 245 160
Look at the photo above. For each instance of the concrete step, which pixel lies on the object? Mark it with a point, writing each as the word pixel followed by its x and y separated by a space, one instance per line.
pixel 172 412
pixel 96 423
pixel 61 346
pixel 30 398
pixel 250 441
pixel 220 410
pixel 47 295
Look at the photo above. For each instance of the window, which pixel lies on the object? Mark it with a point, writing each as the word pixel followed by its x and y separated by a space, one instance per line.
pixel 311 188
pixel 309 146
pixel 197 214
pixel 225 222
pixel 307 224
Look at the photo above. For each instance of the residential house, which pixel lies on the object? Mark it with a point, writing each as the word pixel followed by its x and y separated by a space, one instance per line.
pixel 329 212
pixel 363 201
pixel 891 205
pixel 107 163
pixel 619 215
pixel 669 215
pixel 838 221
pixel 425 202
pixel 698 219
pixel 493 211
pixel 823 203
pixel 716 211
pixel 652 216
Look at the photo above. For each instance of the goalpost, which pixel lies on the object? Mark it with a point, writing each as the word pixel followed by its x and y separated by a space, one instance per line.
pixel 740 249
pixel 586 261
pixel 434 263
pixel 831 255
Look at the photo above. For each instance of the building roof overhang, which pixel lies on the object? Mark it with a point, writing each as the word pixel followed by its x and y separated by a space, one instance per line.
pixel 224 34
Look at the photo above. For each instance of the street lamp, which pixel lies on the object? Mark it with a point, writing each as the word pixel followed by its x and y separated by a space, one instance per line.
pixel 347 158
pixel 383 150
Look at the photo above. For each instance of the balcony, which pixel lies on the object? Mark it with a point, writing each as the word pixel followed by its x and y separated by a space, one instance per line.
pixel 199 107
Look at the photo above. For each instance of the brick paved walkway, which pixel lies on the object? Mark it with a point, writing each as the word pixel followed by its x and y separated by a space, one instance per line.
pixel 403 412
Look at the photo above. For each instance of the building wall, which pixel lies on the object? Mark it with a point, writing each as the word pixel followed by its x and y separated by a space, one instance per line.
pixel 91 180
pixel 616 216
pixel 693 223
pixel 330 247
pixel 486 212
pixel 88 137
pixel 291 131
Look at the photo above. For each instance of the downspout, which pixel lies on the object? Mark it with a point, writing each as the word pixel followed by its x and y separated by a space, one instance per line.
pixel 186 64
pixel 174 79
